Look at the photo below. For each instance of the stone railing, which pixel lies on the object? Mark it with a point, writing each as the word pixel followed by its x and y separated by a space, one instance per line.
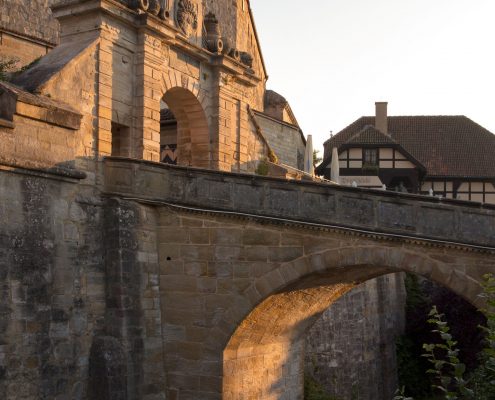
pixel 380 212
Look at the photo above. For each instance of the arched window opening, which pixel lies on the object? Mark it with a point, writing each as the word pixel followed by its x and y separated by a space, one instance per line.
pixel 184 132
pixel 168 135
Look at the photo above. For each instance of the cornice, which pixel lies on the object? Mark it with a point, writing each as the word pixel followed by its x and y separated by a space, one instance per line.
pixel 311 226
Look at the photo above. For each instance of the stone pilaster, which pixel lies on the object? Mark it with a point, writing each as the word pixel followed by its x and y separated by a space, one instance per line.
pixel 133 303
pixel 149 62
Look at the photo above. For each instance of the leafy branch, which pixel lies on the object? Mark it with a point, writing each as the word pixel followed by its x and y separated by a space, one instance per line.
pixel 447 369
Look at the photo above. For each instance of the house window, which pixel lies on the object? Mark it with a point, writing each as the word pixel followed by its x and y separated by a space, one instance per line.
pixel 370 157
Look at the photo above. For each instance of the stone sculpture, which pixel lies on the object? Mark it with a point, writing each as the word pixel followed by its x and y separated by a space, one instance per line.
pixel 187 16
pixel 247 59
pixel 214 43
pixel 154 7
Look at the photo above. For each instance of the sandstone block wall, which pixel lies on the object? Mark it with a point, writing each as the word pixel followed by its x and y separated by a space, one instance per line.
pixel 284 139
pixel 351 348
pixel 79 309
pixel 52 286
pixel 161 292
pixel 27 30
pixel 22 50
pixel 31 18
pixel 104 297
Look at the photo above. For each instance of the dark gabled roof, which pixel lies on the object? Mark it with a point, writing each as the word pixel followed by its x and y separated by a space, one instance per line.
pixel 370 135
pixel 448 146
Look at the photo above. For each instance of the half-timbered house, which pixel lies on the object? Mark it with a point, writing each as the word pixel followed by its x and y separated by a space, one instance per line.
pixel 448 156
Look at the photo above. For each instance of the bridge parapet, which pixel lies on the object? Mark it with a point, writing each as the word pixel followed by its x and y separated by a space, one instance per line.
pixel 371 211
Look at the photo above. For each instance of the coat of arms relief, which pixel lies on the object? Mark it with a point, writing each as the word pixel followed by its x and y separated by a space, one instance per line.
pixel 186 16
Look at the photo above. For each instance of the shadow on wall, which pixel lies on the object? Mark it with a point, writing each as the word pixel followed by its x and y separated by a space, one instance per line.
pixel 351 351
pixel 70 283
pixel 51 282
pixel 90 241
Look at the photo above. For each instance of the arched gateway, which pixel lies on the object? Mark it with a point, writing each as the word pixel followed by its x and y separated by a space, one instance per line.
pixel 190 132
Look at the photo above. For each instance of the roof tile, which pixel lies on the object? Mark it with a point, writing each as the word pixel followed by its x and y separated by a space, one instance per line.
pixel 448 146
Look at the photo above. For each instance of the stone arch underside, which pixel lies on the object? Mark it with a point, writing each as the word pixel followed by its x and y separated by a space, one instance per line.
pixel 264 358
pixel 193 136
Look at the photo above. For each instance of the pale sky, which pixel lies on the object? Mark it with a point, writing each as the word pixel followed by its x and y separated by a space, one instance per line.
pixel 332 59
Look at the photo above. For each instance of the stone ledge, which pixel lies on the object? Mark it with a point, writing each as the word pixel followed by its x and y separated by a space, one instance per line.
pixel 258 180
pixel 34 39
pixel 58 173
pixel 14 100
pixel 4 123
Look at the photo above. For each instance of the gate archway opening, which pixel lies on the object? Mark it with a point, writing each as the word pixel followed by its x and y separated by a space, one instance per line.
pixel 184 131
pixel 264 358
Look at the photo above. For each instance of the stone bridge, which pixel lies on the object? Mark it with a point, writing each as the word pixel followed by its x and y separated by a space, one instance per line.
pixel 214 277
pixel 131 280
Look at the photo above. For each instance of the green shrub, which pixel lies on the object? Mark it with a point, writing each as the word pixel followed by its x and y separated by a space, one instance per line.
pixel 447 369
pixel 452 380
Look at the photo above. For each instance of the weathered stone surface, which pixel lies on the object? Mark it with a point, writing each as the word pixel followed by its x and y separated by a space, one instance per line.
pixel 107 370
pixel 217 310
pixel 285 139
pixel 351 349
pixel 45 325
pixel 33 19
pixel 108 273
pixel 377 211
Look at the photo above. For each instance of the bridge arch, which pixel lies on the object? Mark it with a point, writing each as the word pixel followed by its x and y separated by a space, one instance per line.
pixel 190 137
pixel 263 246
pixel 264 356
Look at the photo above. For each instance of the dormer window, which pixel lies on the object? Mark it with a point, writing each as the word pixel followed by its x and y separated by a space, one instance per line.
pixel 370 157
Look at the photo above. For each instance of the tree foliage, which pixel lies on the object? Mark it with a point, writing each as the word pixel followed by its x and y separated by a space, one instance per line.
pixel 317 159
pixel 446 367
pixel 451 377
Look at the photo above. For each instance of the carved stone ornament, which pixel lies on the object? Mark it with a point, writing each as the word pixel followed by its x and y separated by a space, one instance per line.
pixel 155 7
pixel 187 16
pixel 213 42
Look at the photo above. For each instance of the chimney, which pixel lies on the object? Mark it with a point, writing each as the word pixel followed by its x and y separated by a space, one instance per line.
pixel 381 118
